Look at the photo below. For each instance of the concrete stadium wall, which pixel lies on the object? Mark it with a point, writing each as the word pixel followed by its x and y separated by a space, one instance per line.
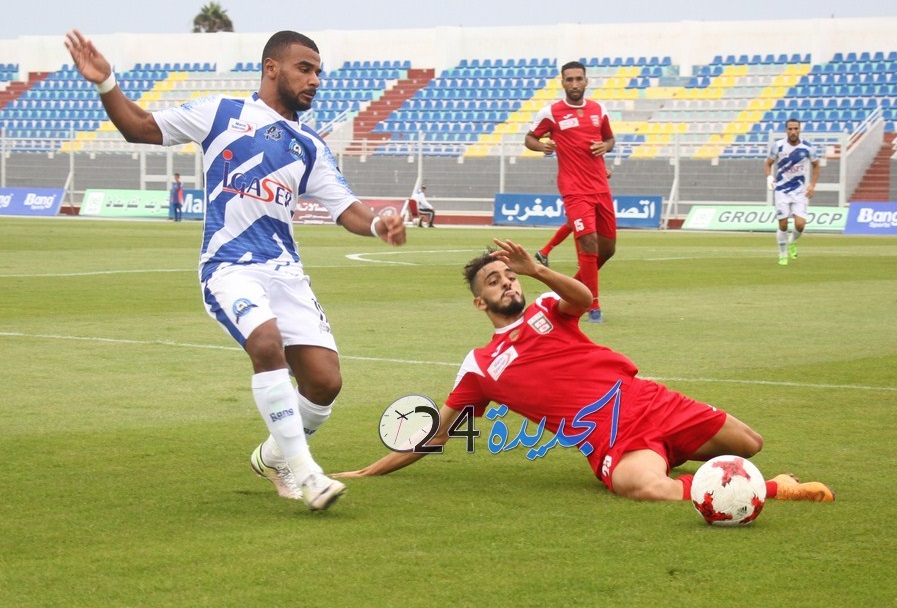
pixel 460 188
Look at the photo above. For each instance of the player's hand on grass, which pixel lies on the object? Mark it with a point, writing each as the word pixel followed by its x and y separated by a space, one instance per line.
pixel 347 474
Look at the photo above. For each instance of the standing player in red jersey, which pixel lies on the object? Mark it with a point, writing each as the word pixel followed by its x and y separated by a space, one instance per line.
pixel 578 129
pixel 540 365
pixel 559 237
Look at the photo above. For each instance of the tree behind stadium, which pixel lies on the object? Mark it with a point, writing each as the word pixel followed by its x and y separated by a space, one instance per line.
pixel 212 18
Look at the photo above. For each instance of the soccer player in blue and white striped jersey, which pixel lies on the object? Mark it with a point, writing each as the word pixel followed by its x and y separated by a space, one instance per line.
pixel 792 170
pixel 258 160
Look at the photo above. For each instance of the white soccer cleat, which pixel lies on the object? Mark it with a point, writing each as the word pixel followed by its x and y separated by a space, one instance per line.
pixel 281 477
pixel 319 491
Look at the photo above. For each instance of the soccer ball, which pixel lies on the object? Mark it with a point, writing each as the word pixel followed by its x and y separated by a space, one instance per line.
pixel 728 491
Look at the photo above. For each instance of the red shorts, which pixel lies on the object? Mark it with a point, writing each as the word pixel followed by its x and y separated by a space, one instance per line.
pixel 588 213
pixel 653 417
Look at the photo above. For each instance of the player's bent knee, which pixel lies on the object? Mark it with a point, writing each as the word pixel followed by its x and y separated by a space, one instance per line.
pixel 755 443
pixel 323 390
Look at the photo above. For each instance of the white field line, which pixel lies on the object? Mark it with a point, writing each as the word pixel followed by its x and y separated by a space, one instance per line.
pixel 171 343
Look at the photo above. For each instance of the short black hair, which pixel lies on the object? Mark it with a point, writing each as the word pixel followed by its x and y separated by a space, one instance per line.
pixel 571 65
pixel 475 265
pixel 281 41
pixel 792 119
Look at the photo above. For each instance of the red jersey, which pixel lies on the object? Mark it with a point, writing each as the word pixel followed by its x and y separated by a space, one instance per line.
pixel 544 368
pixel 573 129
pixel 541 366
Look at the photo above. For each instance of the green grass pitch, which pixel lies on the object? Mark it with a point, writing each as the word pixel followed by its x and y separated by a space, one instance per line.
pixel 127 422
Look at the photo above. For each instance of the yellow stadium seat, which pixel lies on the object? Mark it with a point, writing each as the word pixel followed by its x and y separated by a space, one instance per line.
pixel 476 151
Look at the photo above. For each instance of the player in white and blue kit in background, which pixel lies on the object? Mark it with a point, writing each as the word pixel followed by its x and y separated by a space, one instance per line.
pixel 791 162
pixel 258 160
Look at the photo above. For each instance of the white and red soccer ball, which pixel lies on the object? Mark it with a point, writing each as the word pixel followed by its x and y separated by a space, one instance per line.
pixel 728 491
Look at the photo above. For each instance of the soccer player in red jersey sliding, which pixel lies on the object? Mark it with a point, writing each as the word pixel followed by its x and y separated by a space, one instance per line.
pixel 579 131
pixel 540 365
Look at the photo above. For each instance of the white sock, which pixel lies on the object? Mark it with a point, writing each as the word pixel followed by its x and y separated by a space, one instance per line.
pixel 278 403
pixel 271 454
pixel 782 240
pixel 313 415
pixel 796 234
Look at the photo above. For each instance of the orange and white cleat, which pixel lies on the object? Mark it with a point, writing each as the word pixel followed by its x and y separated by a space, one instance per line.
pixel 790 488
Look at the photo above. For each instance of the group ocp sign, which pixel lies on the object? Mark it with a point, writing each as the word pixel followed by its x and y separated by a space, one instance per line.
pixel 754 218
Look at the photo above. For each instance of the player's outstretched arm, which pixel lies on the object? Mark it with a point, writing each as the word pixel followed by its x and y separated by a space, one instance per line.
pixel 135 124
pixel 575 297
pixel 359 220
pixel 398 460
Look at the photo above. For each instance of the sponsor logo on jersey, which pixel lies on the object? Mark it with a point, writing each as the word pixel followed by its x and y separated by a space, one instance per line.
pixel 235 125
pixel 501 363
pixel 296 151
pixel 540 323
pixel 568 123
pixel 263 189
pixel 242 307
pixel 274 133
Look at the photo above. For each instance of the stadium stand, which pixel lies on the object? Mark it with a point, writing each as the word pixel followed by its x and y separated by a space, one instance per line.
pixel 479 107
pixel 467 109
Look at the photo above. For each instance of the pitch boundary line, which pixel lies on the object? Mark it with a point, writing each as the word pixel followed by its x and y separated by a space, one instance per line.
pixel 362 257
pixel 14 334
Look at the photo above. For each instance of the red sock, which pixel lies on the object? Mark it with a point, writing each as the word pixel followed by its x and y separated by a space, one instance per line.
pixel 562 233
pixel 772 488
pixel 686 485
pixel 588 274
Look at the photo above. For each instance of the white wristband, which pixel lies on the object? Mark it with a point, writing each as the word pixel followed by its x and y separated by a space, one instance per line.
pixel 107 85
pixel 374 226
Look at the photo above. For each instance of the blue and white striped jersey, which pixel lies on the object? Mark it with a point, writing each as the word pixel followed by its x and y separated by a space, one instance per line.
pixel 793 165
pixel 257 164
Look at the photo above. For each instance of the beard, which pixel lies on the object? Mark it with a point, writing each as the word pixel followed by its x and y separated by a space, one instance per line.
pixel 511 309
pixel 289 99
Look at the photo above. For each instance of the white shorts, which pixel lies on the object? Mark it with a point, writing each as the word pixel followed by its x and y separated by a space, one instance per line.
pixel 790 204
pixel 240 298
